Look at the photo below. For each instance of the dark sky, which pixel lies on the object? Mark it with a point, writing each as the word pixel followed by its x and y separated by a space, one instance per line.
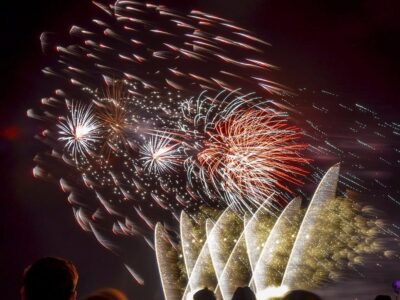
pixel 350 47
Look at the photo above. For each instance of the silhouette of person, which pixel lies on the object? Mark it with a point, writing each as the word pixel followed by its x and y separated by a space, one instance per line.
pixel 50 278
pixel 204 294
pixel 301 295
pixel 243 293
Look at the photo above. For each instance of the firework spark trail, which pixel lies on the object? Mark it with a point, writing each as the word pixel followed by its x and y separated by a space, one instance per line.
pixel 80 131
pixel 240 149
pixel 160 154
pixel 114 113
pixel 252 154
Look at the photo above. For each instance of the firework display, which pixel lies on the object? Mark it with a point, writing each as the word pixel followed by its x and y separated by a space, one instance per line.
pixel 155 114
pixel 300 249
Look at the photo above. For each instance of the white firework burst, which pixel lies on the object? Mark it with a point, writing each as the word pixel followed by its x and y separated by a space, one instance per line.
pixel 160 154
pixel 80 131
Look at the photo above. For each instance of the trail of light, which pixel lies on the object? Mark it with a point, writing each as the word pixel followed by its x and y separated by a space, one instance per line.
pixel 169 286
pixel 80 131
pixel 263 270
pixel 189 256
pixel 160 154
pixel 326 190
pixel 213 244
pixel 249 154
pixel 199 277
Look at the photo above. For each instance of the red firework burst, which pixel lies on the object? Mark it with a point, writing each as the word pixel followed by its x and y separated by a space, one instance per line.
pixel 252 155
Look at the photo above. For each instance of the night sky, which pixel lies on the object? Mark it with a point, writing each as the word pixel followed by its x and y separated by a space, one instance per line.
pixel 349 47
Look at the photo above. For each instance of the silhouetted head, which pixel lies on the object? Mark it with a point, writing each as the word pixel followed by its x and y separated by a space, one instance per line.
pixel 301 295
pixel 383 297
pixel 204 294
pixel 107 294
pixel 243 293
pixel 50 278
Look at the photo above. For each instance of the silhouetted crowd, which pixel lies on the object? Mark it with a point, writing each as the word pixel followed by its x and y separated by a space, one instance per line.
pixel 53 278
